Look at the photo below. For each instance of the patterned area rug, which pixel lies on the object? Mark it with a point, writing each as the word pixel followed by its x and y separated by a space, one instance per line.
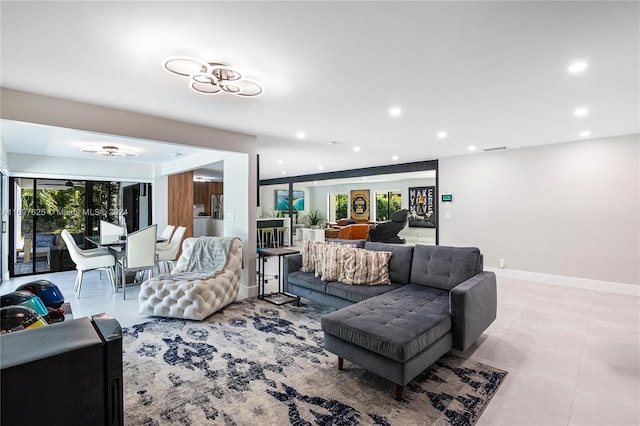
pixel 255 363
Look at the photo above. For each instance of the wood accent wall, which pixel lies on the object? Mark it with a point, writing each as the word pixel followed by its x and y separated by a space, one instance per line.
pixel 202 192
pixel 181 203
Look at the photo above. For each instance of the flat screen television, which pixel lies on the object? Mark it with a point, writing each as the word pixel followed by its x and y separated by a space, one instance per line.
pixel 282 200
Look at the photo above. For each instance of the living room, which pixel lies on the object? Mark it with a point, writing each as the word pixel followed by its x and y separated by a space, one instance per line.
pixel 555 215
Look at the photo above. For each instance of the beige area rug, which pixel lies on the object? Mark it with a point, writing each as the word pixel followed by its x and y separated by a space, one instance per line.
pixel 255 363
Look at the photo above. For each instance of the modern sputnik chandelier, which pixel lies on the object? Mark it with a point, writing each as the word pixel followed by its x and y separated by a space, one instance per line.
pixel 211 78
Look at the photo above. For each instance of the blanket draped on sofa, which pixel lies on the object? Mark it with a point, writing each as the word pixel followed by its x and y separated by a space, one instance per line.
pixel 207 260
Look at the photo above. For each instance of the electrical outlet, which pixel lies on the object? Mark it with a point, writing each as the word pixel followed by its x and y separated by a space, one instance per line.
pixel 501 263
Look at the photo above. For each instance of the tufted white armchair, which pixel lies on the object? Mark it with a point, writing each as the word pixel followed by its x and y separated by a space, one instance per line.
pixel 192 299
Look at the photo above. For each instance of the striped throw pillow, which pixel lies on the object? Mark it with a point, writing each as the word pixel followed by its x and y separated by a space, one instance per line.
pixel 365 267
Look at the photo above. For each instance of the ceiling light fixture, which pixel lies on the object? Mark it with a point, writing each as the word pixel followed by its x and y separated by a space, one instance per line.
pixel 577 67
pixel 395 158
pixel 212 78
pixel 585 134
pixel 472 148
pixel 109 151
pixel 580 112
pixel 301 135
pixel 441 134
pixel 356 149
pixel 395 111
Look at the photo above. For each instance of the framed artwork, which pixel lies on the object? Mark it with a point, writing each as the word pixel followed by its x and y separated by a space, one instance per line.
pixel 422 207
pixel 360 204
pixel 282 200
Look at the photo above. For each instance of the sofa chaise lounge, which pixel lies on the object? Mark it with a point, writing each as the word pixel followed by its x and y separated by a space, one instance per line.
pixel 439 298
pixel 190 292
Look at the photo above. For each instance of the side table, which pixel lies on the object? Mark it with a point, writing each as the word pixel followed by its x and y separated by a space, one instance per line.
pixel 279 297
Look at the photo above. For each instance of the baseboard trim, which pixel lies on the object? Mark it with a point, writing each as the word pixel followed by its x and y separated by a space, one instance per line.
pixel 245 292
pixel 587 284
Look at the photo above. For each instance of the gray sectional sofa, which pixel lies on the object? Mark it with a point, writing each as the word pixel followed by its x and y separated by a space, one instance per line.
pixel 439 298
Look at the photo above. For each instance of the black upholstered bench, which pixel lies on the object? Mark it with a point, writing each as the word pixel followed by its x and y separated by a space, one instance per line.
pixel 395 335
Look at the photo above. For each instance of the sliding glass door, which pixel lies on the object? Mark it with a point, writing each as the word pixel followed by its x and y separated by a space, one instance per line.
pixel 42 208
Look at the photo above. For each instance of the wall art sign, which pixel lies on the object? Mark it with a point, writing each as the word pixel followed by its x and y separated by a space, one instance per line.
pixel 422 207
pixel 360 204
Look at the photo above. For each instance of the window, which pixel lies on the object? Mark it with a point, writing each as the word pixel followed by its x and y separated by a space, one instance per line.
pixel 386 204
pixel 338 207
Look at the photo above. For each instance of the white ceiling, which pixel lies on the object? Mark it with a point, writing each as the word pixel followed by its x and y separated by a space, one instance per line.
pixel 488 73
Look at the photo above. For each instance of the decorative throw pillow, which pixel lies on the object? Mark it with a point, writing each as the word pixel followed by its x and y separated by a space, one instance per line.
pixel 332 258
pixel 309 255
pixel 320 248
pixel 365 267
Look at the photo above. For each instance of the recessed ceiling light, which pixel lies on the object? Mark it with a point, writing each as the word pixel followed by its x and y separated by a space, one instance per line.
pixel 580 112
pixel 585 134
pixel 395 158
pixel 283 172
pixel 320 167
pixel 301 135
pixel 577 67
pixel 441 134
pixel 472 148
pixel 356 149
pixel 395 111
pixel 280 162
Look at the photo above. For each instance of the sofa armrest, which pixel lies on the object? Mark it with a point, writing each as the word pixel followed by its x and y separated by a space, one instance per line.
pixel 291 263
pixel 473 307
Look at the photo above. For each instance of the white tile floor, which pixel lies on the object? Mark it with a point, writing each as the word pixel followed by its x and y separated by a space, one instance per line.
pixel 573 355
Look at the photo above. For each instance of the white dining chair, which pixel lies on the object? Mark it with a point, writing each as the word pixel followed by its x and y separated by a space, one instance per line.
pixel 108 229
pixel 88 260
pixel 168 253
pixel 140 254
pixel 166 235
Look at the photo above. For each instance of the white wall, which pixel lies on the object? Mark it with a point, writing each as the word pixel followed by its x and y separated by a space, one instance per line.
pixel 569 209
pixel 160 198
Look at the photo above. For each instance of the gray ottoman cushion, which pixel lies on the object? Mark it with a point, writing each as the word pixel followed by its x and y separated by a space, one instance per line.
pixel 358 293
pixel 398 324
pixel 444 267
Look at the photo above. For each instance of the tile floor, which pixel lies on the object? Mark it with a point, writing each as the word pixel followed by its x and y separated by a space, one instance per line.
pixel 573 355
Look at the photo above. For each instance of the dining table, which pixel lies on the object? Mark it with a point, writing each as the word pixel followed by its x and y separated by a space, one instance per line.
pixel 117 246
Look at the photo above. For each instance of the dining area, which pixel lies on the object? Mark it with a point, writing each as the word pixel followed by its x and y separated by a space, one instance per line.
pixel 126 258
